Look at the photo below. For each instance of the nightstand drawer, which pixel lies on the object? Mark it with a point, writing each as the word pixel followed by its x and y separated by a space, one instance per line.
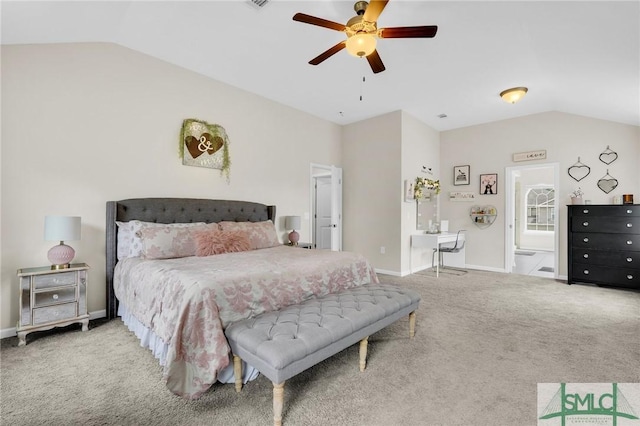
pixel 54 313
pixel 55 280
pixel 55 297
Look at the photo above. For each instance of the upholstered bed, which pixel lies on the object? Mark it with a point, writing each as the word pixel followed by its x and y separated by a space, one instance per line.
pixel 179 303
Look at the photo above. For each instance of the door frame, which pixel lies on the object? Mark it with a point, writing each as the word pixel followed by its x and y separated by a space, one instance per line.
pixel 509 222
pixel 323 170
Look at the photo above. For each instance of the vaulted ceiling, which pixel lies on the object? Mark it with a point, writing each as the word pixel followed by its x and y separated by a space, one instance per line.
pixel 580 57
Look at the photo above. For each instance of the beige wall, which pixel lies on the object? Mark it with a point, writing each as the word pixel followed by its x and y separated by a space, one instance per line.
pixel 86 123
pixel 488 148
pixel 372 199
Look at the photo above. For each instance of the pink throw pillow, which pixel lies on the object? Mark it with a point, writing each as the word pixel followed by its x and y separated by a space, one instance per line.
pixel 213 242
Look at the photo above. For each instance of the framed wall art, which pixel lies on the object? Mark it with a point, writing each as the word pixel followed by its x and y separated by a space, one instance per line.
pixel 489 184
pixel 461 175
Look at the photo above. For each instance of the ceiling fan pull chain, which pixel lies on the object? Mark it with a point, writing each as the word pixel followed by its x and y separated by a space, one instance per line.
pixel 361 84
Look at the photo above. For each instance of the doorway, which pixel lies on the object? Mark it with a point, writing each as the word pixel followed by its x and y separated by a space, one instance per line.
pixel 326 207
pixel 531 225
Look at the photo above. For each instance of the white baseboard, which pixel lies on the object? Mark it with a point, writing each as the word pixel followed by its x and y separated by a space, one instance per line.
pixel 487 268
pixel 386 272
pixel 11 332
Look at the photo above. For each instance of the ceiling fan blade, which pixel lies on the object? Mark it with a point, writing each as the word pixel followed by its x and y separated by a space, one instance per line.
pixel 374 9
pixel 328 53
pixel 375 62
pixel 308 19
pixel 408 32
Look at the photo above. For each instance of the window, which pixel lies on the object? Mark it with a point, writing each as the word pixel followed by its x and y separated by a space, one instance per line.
pixel 540 209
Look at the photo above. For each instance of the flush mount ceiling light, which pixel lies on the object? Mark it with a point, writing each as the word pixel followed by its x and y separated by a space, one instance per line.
pixel 514 94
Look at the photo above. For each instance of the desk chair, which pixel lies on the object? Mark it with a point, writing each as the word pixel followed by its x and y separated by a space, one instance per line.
pixel 456 248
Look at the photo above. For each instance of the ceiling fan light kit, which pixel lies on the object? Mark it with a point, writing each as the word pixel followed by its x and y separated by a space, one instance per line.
pixel 362 33
pixel 514 94
pixel 361 44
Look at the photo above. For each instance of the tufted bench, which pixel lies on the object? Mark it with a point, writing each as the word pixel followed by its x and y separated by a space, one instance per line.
pixel 283 343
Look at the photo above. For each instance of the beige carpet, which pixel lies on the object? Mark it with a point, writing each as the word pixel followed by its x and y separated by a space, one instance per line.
pixel 483 342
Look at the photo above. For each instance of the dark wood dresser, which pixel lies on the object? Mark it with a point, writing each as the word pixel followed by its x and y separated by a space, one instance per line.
pixel 604 245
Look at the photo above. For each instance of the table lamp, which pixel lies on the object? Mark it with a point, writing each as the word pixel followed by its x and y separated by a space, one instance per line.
pixel 61 228
pixel 293 222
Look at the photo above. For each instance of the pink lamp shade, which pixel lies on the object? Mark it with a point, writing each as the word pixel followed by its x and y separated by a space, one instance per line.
pixel 61 228
pixel 293 222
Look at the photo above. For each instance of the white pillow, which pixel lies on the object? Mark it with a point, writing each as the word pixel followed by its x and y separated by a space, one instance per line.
pixel 130 243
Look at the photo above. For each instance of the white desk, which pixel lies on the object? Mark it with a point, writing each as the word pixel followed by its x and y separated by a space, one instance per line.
pixel 433 241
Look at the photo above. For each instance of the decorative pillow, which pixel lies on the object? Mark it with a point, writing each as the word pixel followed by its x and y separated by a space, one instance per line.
pixel 129 242
pixel 261 234
pixel 166 242
pixel 217 242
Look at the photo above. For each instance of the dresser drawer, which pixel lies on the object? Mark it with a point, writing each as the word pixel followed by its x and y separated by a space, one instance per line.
pixel 55 297
pixel 608 211
pixel 54 313
pixel 624 242
pixel 622 277
pixel 617 224
pixel 55 280
pixel 612 258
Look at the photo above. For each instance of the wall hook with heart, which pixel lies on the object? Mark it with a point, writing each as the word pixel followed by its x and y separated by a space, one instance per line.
pixel 607 183
pixel 608 156
pixel 579 171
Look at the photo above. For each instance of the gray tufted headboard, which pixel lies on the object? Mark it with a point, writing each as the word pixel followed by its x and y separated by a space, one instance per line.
pixel 172 210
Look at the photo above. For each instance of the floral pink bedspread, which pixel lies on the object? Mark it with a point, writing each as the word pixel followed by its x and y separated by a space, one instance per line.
pixel 189 301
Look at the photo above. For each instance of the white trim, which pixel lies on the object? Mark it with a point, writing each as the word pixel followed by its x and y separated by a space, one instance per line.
pixel 509 219
pixel 11 332
pixel 386 272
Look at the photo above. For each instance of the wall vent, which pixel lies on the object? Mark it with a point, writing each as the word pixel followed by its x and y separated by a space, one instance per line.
pixel 258 4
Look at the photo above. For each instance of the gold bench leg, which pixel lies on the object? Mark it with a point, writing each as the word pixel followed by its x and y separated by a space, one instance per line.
pixel 237 372
pixel 363 353
pixel 412 324
pixel 278 403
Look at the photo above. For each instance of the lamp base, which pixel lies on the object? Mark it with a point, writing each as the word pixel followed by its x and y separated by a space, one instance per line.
pixel 294 237
pixel 61 256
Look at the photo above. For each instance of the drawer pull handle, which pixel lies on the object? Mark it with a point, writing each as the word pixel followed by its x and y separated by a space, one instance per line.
pixel 585 223
pixel 585 239
pixel 629 225
pixel 629 211
pixel 629 242
pixel 629 277
pixel 55 297
pixel 586 272
pixel 585 211
pixel 586 255
pixel 629 259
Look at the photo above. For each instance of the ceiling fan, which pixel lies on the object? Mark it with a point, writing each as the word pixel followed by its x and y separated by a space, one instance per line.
pixel 362 32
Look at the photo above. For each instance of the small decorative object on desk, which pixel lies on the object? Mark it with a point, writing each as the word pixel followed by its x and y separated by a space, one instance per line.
pixel 576 196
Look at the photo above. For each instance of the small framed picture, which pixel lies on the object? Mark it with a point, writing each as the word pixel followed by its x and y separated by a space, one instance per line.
pixel 489 184
pixel 461 175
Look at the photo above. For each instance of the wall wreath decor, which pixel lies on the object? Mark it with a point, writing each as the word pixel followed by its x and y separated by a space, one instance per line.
pixel 205 145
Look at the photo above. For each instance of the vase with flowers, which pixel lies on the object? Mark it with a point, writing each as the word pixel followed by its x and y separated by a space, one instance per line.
pixel 576 196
